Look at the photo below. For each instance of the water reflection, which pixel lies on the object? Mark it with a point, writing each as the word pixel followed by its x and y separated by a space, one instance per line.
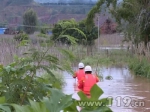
pixel 124 86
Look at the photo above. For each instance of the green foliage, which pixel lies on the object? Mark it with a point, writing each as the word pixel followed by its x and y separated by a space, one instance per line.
pixel 96 92
pixel 59 101
pixel 109 77
pixel 97 9
pixel 140 68
pixel 91 35
pixel 33 107
pixel 21 79
pixel 21 36
pixel 56 82
pixel 77 32
pixel 101 60
pixel 65 28
pixel 133 16
pixel 3 106
pixel 29 21
pixel 44 29
pixel 15 82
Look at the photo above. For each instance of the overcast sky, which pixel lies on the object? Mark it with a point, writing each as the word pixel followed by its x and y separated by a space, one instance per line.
pixel 55 1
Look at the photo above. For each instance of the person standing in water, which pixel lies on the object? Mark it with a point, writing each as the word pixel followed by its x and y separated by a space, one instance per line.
pixel 88 81
pixel 79 74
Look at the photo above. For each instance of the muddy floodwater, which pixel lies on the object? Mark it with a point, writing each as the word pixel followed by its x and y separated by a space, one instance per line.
pixel 130 93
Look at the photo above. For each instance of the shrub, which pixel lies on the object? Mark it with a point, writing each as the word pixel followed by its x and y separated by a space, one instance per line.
pixel 21 36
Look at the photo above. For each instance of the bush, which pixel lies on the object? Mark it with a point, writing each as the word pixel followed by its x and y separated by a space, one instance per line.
pixel 21 36
pixel 59 82
pixel 140 68
pixel 43 31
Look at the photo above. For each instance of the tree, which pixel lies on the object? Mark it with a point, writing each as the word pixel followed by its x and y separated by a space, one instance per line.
pixel 91 35
pixel 68 28
pixel 96 9
pixel 29 21
pixel 132 15
pixel 78 30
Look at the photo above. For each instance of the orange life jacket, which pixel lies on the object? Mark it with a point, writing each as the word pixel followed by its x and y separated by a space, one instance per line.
pixel 88 81
pixel 79 74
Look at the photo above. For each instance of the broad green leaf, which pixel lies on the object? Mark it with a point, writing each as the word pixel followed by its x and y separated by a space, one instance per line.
pixel 58 101
pixel 38 106
pixel 99 109
pixel 82 96
pixel 106 101
pixel 94 104
pixel 4 108
pixel 71 108
pixel 2 100
pixel 34 107
pixel 19 108
pixel 96 92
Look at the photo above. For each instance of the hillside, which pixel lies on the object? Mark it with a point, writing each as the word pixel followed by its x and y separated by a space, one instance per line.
pixel 16 2
pixel 65 1
pixel 11 12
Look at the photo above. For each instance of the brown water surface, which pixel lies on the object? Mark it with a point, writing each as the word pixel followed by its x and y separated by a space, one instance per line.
pixel 130 93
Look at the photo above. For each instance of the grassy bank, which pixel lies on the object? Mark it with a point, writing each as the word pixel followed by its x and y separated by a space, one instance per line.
pixel 117 58
pixel 103 57
pixel 140 67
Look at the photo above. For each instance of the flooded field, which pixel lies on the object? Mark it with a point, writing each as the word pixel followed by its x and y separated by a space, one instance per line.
pixel 130 93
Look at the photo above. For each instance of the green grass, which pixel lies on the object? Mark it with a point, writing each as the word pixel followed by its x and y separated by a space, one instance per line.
pixel 112 58
pixel 140 68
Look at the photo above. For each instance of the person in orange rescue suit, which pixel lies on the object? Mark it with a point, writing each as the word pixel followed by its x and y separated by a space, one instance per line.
pixel 79 74
pixel 88 81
